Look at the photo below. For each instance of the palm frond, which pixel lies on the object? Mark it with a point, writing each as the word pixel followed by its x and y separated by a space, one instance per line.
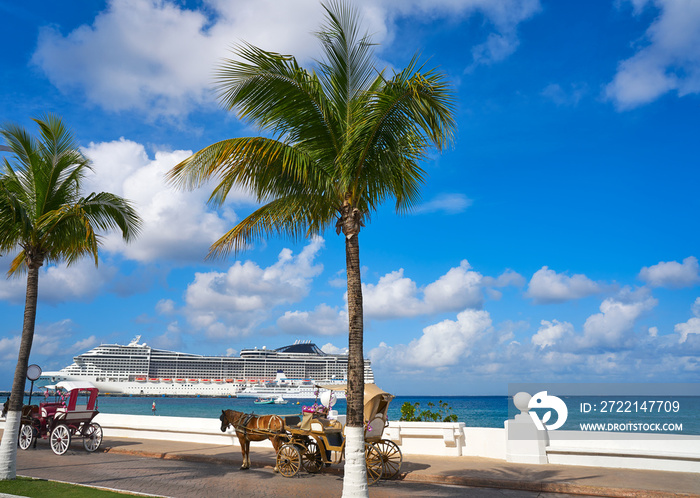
pixel 293 217
pixel 41 208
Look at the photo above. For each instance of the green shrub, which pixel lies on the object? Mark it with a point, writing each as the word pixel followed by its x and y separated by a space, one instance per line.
pixel 411 412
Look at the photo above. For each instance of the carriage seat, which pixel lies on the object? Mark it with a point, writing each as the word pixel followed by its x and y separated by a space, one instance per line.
pixel 292 420
pixel 49 409
pixel 322 424
pixel 375 428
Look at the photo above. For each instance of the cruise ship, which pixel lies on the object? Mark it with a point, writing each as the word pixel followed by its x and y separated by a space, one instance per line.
pixel 138 369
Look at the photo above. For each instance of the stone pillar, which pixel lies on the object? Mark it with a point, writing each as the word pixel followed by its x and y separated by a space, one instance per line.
pixel 524 442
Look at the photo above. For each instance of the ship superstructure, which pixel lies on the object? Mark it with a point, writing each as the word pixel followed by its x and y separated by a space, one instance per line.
pixel 142 370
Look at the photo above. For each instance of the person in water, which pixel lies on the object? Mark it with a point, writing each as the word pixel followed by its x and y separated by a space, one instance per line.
pixel 153 408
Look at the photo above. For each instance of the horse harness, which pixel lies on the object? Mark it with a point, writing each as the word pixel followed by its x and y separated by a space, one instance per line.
pixel 243 426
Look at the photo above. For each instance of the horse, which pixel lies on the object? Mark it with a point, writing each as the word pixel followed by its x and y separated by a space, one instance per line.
pixel 250 427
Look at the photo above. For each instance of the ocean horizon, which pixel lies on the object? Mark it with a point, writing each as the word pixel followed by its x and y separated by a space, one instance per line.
pixel 474 411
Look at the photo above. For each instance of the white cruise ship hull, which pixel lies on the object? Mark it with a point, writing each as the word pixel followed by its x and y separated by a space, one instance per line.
pixel 285 392
pixel 147 388
pixel 139 370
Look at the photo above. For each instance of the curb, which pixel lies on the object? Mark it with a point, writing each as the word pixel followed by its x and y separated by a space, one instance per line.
pixel 478 482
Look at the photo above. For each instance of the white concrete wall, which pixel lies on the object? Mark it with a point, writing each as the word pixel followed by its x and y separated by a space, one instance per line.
pixel 186 429
pixel 656 451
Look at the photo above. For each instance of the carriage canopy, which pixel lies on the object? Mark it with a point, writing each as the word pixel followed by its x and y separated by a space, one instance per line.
pixel 376 400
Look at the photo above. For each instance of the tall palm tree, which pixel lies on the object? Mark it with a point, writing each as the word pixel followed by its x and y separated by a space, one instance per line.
pixel 341 140
pixel 44 217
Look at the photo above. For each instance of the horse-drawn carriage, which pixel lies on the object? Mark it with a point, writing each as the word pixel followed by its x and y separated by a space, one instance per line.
pixel 69 415
pixel 314 440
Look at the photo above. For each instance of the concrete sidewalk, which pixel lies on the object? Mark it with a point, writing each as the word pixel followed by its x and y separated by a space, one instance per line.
pixel 465 471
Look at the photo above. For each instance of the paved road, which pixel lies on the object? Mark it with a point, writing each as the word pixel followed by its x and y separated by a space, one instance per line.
pixel 175 478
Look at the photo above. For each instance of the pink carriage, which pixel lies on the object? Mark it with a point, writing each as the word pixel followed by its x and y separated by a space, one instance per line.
pixel 63 419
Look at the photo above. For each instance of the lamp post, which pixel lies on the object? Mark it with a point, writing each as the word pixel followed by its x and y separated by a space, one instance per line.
pixel 33 373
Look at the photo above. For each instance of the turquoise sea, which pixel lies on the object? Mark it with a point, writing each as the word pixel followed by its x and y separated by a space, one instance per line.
pixel 474 411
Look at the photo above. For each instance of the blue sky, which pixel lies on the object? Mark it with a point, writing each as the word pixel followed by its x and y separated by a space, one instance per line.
pixel 555 241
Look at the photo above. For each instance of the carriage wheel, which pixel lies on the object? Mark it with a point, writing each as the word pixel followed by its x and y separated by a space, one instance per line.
pixel 288 460
pixel 391 457
pixel 374 462
pixel 312 458
pixel 92 437
pixel 26 436
pixel 60 439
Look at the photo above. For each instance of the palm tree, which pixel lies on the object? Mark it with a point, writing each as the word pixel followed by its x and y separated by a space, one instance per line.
pixel 343 140
pixel 44 217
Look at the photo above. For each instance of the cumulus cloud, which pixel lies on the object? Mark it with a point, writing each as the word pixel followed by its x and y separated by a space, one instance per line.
pixel 323 320
pixel 548 286
pixel 158 57
pixel 692 326
pixel 672 274
pixel 442 344
pixel 329 348
pixel 668 60
pixel 9 348
pixel 551 332
pixel 445 203
pixel 396 296
pixel 613 326
pixel 84 344
pixel 230 304
pixel 177 225
pixel 61 283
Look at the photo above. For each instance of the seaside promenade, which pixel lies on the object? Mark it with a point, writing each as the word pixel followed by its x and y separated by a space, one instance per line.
pixel 129 464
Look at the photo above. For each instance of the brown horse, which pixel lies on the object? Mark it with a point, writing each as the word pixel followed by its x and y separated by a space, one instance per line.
pixel 250 427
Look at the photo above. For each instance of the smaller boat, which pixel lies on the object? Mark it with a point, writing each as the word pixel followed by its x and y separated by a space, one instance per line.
pixel 194 380
pixel 179 380
pixel 280 400
pixel 264 401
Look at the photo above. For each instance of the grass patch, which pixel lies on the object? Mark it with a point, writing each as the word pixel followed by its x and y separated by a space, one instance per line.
pixel 39 488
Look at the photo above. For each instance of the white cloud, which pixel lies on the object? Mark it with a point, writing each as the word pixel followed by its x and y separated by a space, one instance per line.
pixel 551 332
pixel 396 296
pixel 323 320
pixel 613 326
pixel 441 345
pixel 157 57
pixel 445 203
pixel 548 286
pixel 84 344
pixel 393 296
pixel 672 274
pixel 9 348
pixel 61 283
pixel 692 326
pixel 564 97
pixel 230 304
pixel 176 224
pixel 459 288
pixel 668 61
pixel 329 348
pixel 505 279
pixel 165 306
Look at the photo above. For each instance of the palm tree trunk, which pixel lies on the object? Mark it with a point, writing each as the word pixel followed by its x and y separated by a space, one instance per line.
pixel 8 447
pixel 355 479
